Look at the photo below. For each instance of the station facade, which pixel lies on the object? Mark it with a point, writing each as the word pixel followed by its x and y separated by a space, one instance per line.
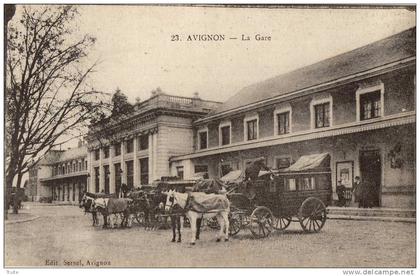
pixel 358 106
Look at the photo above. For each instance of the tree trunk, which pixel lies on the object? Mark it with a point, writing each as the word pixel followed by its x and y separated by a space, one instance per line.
pixel 17 199
pixel 8 192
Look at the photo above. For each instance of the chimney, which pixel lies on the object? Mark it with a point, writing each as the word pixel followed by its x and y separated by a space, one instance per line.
pixel 196 95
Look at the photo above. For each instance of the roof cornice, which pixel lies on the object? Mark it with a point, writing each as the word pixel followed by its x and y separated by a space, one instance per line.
pixel 316 88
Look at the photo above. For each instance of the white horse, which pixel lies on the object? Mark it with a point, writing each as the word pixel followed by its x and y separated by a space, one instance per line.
pixel 220 210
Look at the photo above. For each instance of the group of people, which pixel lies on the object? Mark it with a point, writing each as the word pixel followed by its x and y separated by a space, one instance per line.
pixel 361 192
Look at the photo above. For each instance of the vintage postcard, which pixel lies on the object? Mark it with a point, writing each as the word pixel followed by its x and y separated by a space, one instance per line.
pixel 156 136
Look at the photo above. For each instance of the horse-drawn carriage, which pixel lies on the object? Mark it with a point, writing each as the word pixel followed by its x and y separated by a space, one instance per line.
pixel 299 193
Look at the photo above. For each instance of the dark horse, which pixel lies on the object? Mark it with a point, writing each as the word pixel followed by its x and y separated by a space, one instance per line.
pixel 87 204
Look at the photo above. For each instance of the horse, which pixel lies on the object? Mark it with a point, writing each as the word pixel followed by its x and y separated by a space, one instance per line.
pixel 176 213
pixel 87 204
pixel 114 206
pixel 202 205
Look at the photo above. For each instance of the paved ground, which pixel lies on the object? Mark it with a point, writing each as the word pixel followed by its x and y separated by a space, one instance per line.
pixel 63 233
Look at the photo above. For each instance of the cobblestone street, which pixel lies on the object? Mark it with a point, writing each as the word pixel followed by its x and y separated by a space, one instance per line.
pixel 64 234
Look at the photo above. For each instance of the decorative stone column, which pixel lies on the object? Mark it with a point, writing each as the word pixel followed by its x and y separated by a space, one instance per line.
pixel 151 162
pixel 123 166
pixel 111 171
pixel 101 171
pixel 136 166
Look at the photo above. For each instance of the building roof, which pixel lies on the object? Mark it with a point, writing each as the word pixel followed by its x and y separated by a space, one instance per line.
pixel 379 53
pixel 56 156
pixel 73 153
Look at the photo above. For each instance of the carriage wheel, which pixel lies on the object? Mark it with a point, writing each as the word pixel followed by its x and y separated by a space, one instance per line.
pixel 312 214
pixel 261 224
pixel 235 224
pixel 281 223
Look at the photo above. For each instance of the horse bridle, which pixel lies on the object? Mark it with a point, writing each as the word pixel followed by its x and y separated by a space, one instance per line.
pixel 172 200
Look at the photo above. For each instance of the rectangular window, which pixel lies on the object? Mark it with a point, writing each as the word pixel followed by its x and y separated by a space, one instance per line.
pixel 80 166
pixel 322 115
pixel 130 174
pixel 144 171
pixel 370 105
pixel 225 135
pixel 117 149
pixel 202 136
pixel 282 162
pixel 117 172
pixel 252 129
pixel 290 184
pixel 97 154
pixel 307 183
pixel 106 172
pixel 180 172
pixel 143 142
pixel 283 123
pixel 200 168
pixel 96 179
pixel 74 192
pixel 86 165
pixel 106 152
pixel 129 146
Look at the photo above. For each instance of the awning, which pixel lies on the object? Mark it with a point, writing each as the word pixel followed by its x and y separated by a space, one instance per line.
pixel 65 176
pixel 310 162
pixel 233 176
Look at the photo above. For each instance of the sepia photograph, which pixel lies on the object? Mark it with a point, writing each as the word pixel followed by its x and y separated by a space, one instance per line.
pixel 210 136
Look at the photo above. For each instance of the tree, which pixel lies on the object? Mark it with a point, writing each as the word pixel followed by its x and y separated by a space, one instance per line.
pixel 47 92
pixel 107 124
pixel 120 104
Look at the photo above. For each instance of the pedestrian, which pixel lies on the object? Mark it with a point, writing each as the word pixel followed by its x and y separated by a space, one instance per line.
pixel 359 192
pixel 340 193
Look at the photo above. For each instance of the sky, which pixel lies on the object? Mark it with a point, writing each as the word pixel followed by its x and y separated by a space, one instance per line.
pixel 137 55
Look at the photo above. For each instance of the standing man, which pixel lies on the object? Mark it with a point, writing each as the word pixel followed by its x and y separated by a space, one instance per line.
pixel 359 192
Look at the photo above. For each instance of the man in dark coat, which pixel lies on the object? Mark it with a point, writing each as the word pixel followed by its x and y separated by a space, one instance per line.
pixel 253 169
pixel 251 174
pixel 359 192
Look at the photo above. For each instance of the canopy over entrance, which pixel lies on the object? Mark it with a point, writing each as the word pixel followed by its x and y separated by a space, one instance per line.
pixel 313 162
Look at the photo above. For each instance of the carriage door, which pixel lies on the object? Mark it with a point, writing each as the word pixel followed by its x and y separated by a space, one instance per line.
pixel 370 170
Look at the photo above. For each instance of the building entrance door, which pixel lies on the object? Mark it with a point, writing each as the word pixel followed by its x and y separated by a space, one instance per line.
pixel 370 169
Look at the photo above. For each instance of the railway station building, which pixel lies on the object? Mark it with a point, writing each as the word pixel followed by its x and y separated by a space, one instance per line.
pixel 137 148
pixel 359 107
